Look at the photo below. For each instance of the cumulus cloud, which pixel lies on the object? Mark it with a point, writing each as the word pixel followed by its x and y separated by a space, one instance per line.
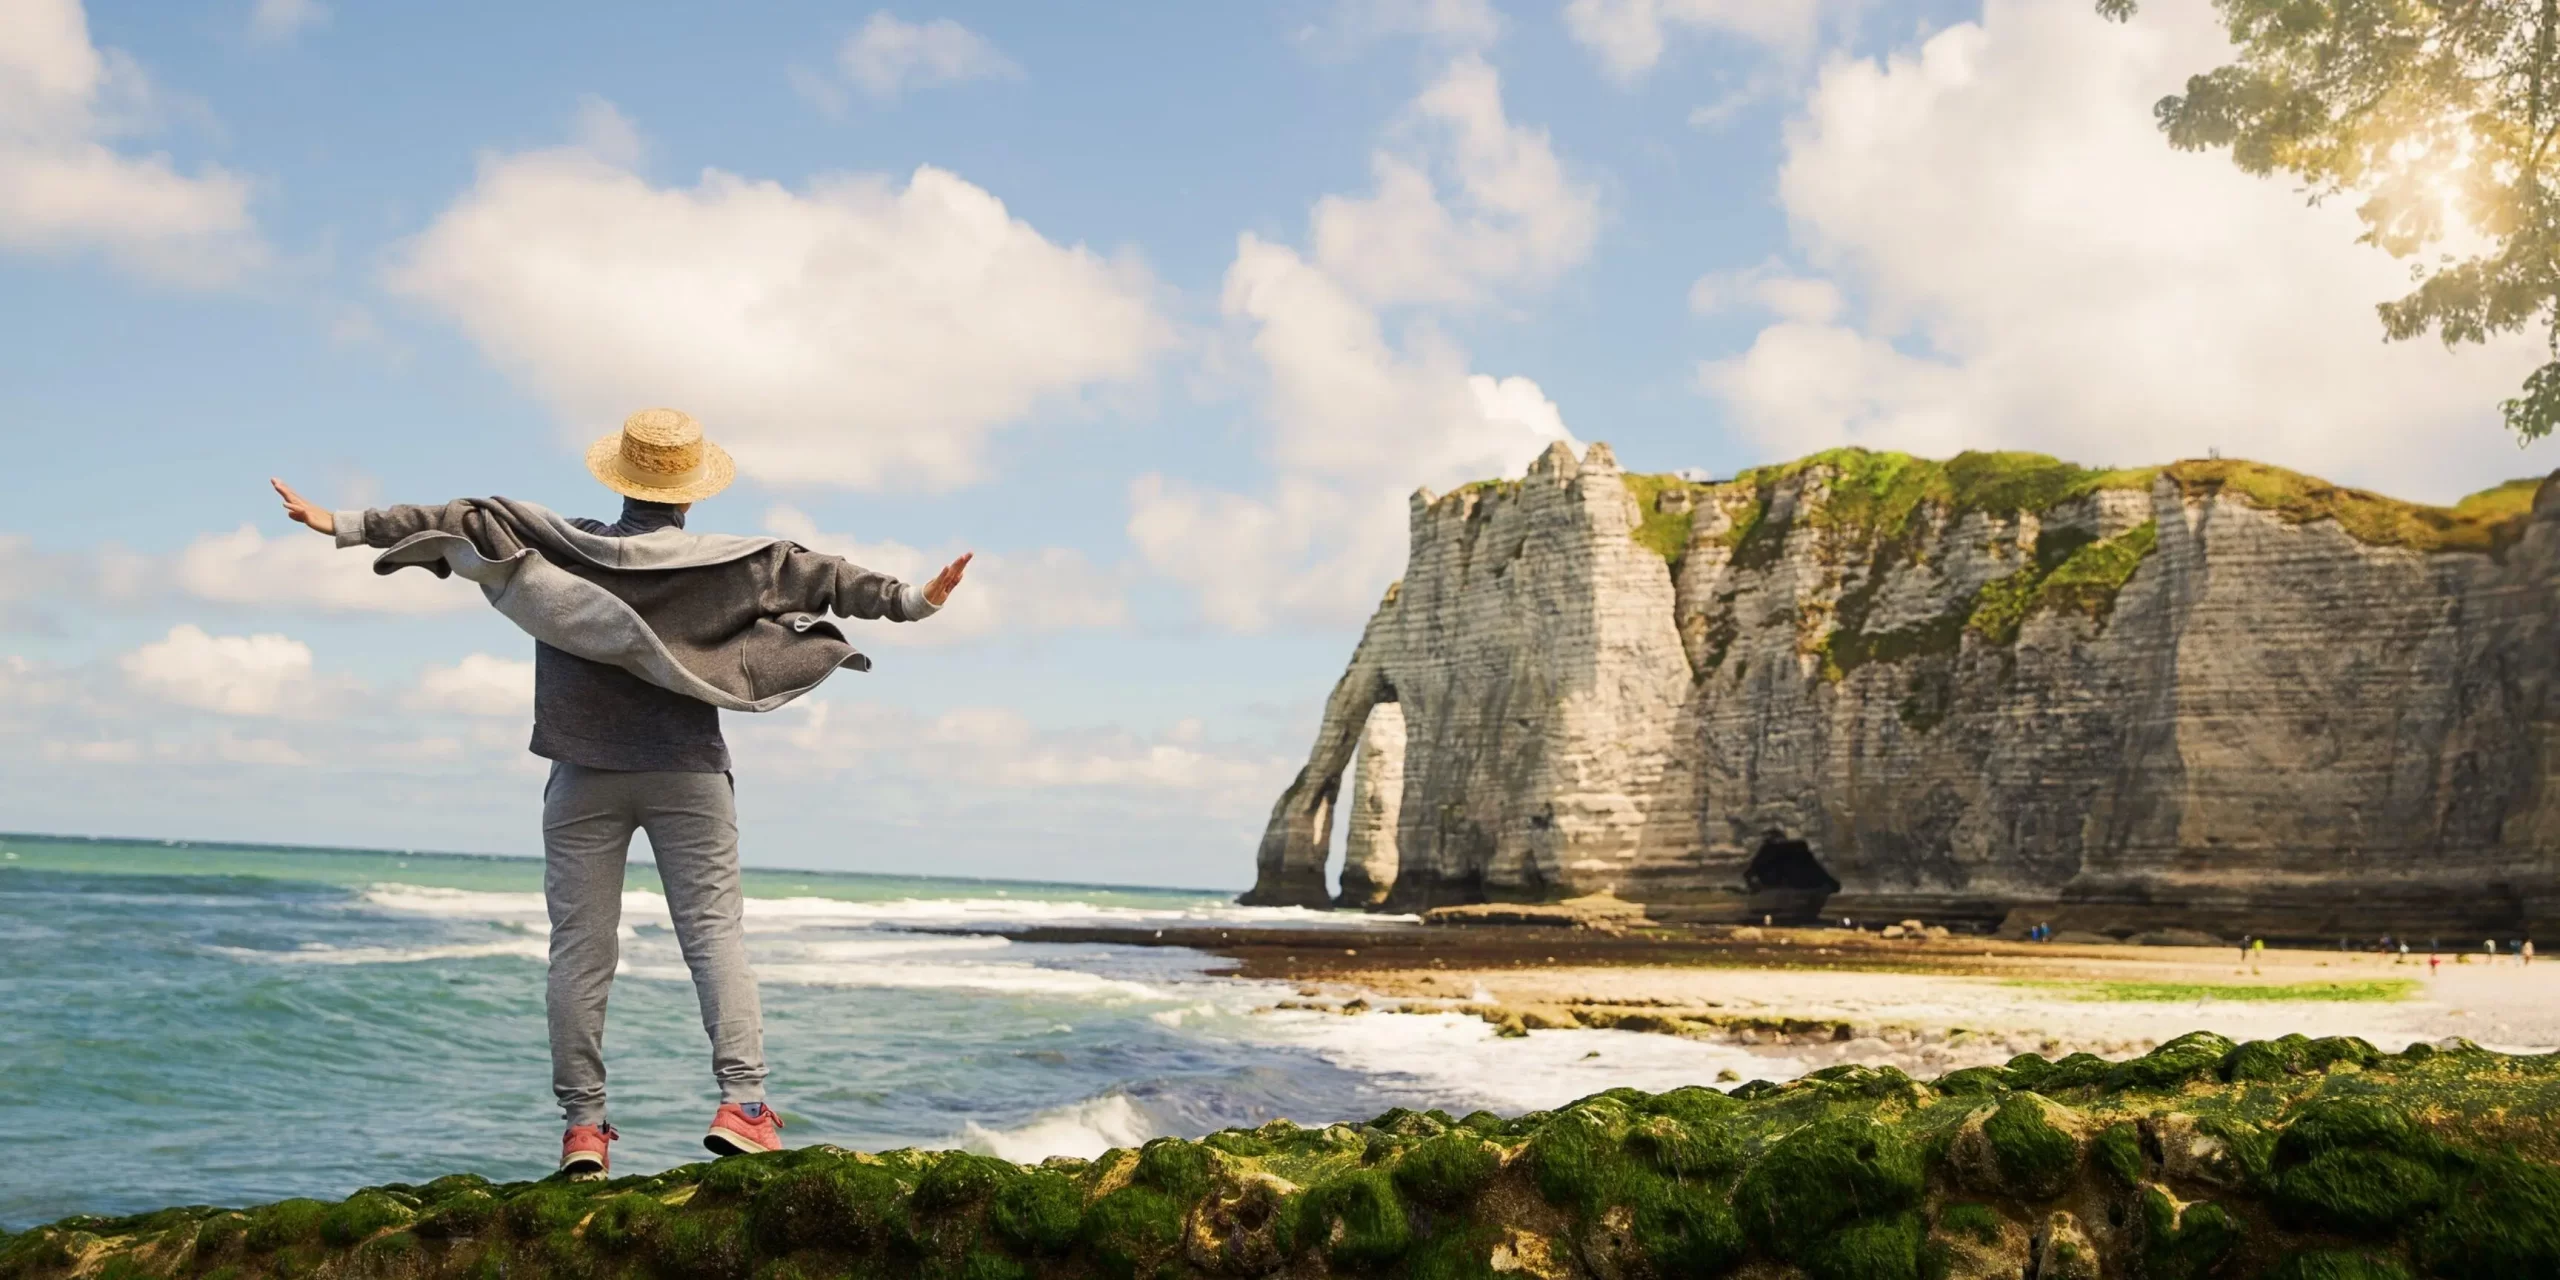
pixel 300 571
pixel 1472 204
pixel 66 188
pixel 2038 269
pixel 255 675
pixel 858 332
pixel 276 21
pixel 1459 22
pixel 889 56
pixel 997 747
pixel 1629 36
pixel 1051 589
pixel 479 685
pixel 1502 212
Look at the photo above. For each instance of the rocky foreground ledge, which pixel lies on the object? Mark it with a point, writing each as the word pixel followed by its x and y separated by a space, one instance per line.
pixel 2294 1158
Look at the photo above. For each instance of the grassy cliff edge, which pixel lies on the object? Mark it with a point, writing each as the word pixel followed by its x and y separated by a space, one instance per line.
pixel 2292 1159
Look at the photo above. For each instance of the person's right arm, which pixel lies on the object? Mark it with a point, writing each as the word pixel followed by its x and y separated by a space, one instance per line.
pixel 378 526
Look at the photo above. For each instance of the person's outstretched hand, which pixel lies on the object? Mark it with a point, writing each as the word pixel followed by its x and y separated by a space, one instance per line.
pixel 300 511
pixel 935 592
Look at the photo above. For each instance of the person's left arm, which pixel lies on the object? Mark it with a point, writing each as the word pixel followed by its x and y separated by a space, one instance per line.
pixel 839 586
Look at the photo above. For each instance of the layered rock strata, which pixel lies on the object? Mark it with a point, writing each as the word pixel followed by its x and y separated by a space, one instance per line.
pixel 2212 695
pixel 2288 1159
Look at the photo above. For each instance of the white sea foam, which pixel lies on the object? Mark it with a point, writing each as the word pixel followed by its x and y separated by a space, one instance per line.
pixel 1085 1129
pixel 998 979
pixel 521 948
pixel 1453 1056
pixel 765 915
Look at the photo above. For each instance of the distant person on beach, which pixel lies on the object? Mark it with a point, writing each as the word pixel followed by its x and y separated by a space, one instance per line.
pixel 2433 961
pixel 643 633
pixel 2525 949
pixel 2257 951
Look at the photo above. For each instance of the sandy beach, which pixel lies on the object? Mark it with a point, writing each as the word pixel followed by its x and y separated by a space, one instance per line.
pixel 1927 1005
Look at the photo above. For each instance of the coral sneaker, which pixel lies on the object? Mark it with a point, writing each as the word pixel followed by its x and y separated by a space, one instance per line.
pixel 735 1133
pixel 583 1157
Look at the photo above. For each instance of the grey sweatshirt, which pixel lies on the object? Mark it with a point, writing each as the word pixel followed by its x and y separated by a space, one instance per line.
pixel 603 716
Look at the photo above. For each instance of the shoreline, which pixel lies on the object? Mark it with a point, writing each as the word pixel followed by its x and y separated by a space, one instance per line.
pixel 1820 997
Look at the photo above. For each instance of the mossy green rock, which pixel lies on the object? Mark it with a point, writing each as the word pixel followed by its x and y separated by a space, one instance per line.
pixel 2273 1159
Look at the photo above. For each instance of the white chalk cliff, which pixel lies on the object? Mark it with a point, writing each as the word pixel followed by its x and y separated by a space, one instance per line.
pixel 2212 694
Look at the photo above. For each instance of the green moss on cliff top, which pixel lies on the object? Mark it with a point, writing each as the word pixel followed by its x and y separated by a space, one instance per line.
pixel 2486 521
pixel 2224 1160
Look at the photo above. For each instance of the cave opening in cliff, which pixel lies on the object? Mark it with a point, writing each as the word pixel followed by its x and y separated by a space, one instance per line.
pixel 1787 883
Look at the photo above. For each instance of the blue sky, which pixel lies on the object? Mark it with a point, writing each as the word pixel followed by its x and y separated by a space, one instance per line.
pixel 1161 308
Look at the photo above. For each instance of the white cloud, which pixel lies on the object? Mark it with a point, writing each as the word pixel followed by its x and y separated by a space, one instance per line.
pixel 888 56
pixel 1505 215
pixel 2039 269
pixel 65 189
pixel 983 747
pixel 1628 36
pixel 94 751
pixel 276 21
pixel 231 748
pixel 1771 288
pixel 1358 417
pixel 255 675
pixel 1459 22
pixel 857 333
pixel 298 570
pixel 1051 589
pixel 479 685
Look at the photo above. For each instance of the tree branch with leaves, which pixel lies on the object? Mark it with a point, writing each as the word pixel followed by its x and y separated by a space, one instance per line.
pixel 2439 115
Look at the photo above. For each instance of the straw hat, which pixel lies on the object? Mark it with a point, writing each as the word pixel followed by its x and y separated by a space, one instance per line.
pixel 660 456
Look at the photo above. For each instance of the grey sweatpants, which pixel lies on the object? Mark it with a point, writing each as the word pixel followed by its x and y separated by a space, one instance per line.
pixel 588 816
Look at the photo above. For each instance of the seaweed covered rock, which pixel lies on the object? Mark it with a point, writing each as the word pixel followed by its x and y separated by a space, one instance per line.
pixel 2279 1160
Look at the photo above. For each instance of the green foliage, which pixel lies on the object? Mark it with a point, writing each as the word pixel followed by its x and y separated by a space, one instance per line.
pixel 2375 990
pixel 2194 1054
pixel 2118 1150
pixel 2185 1246
pixel 2087 580
pixel 2334 1264
pixel 703 1244
pixel 828 1203
pixel 1447 1171
pixel 1968 1218
pixel 361 1215
pixel 2036 1160
pixel 463 1212
pixel 1686 1231
pixel 623 1223
pixel 2486 522
pixel 286 1222
pixel 545 1207
pixel 1355 1218
pixel 1133 1230
pixel 1703 1150
pixel 960 1179
pixel 1665 533
pixel 1177 1168
pixel 2438 117
pixel 1037 1212
pixel 1575 1157
pixel 1886 1248
pixel 1824 1175
pixel 2500 1223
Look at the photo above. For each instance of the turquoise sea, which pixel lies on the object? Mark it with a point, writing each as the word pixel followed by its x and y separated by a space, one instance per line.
pixel 218 1024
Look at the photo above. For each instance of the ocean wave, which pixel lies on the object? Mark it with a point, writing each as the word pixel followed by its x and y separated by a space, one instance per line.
pixel 998 979
pixel 1085 1129
pixel 520 948
pixel 764 915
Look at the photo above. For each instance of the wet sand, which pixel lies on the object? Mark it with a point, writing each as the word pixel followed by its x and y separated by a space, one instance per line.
pixel 1826 995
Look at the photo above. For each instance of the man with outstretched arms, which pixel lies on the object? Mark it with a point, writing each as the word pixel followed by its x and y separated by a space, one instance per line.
pixel 643 633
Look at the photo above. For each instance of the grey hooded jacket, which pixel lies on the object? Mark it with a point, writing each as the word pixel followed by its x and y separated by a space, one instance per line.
pixel 643 630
